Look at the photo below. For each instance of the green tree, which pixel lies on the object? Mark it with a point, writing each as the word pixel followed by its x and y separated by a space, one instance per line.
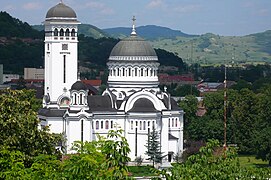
pixel 106 158
pixel 214 162
pixel 19 125
pixel 185 90
pixel 154 147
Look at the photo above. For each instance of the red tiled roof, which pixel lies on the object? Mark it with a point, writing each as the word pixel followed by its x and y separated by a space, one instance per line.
pixel 93 82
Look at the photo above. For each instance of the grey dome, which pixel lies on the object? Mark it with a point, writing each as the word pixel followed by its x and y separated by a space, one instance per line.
pixel 79 85
pixel 133 46
pixel 61 10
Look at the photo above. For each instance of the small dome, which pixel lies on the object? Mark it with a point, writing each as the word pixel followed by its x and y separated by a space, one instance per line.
pixel 133 46
pixel 61 11
pixel 79 85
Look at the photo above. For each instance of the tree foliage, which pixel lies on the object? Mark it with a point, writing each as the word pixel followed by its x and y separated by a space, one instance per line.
pixel 154 147
pixel 19 125
pixel 213 162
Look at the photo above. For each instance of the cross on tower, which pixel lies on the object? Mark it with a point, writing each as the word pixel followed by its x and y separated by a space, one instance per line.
pixel 133 30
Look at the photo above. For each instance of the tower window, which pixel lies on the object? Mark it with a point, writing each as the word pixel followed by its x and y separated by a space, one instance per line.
pixel 67 33
pixel 64 46
pixel 55 32
pixel 61 32
pixel 48 47
pixel 64 69
pixel 73 32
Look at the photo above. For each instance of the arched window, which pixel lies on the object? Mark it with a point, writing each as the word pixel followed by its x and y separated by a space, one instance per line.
pixel 73 32
pixel 147 72
pixel 142 71
pixel 140 125
pixel 172 125
pixel 168 122
pixel 123 71
pixel 55 32
pixel 81 99
pixel 176 122
pixel 129 72
pixel 75 99
pixel 135 71
pixel 102 124
pixel 106 124
pixel 97 125
pixel 48 47
pixel 132 125
pixel 67 33
pixel 112 124
pixel 144 125
pixel 149 123
pixel 61 32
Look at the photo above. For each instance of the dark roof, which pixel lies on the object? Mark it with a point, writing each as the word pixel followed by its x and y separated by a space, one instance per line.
pixel 171 137
pixel 143 105
pixel 100 103
pixel 79 85
pixel 133 46
pixel 51 112
pixel 61 10
pixel 174 105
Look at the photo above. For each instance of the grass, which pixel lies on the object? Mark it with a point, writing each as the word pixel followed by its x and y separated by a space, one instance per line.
pixel 140 171
pixel 251 161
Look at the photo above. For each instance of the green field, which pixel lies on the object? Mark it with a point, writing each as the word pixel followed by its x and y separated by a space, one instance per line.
pixel 251 161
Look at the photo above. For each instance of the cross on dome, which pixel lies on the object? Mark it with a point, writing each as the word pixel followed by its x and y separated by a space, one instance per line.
pixel 133 30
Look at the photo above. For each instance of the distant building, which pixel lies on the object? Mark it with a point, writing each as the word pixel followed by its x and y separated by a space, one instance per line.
pixel 33 73
pixel 9 77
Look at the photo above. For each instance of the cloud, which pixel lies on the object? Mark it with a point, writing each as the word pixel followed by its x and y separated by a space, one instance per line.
pixel 32 6
pixel 155 4
pixel 263 12
pixel 187 8
pixel 248 5
pixel 101 7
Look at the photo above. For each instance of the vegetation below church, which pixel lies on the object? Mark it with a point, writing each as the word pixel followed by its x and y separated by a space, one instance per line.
pixel 248 120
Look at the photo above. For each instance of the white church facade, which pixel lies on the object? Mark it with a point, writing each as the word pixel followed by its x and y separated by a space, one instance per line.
pixel 132 100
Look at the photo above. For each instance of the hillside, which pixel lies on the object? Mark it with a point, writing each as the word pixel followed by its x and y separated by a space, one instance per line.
pixel 12 27
pixel 86 29
pixel 148 32
pixel 214 49
pixel 22 46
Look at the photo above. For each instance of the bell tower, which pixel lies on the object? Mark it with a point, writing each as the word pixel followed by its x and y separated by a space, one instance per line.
pixel 61 44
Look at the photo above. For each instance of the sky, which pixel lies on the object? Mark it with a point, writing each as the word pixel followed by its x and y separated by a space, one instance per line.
pixel 223 17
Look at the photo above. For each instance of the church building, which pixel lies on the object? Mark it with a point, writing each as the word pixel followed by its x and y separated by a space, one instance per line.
pixel 132 100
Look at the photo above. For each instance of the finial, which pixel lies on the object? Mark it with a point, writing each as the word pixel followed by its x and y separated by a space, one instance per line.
pixel 133 30
pixel 78 76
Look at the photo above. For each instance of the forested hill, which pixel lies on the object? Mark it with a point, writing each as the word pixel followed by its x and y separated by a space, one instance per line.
pixel 22 46
pixel 148 32
pixel 12 27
